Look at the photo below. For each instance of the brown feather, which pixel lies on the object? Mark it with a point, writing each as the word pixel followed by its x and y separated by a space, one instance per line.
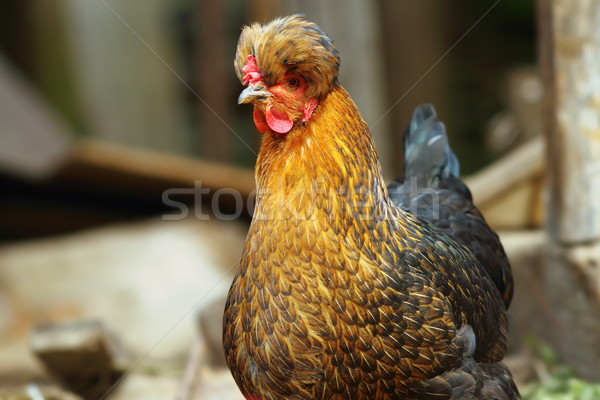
pixel 341 294
pixel 312 55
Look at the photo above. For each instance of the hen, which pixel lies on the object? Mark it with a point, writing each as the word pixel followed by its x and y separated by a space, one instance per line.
pixel 348 289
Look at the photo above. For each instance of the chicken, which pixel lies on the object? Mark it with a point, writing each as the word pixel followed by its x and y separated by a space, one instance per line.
pixel 348 289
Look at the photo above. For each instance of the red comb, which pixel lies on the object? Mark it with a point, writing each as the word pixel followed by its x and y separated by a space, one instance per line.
pixel 250 71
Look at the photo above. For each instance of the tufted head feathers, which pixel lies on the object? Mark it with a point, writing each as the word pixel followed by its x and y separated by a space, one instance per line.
pixel 284 45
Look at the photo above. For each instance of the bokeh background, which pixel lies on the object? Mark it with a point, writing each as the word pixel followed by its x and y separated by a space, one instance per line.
pixel 159 75
pixel 126 179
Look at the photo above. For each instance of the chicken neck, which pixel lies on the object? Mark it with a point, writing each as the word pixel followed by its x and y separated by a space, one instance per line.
pixel 326 167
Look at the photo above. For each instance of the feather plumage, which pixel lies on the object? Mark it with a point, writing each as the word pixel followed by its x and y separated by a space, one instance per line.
pixel 341 293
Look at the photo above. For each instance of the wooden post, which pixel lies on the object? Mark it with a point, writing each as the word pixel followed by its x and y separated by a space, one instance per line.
pixel 214 75
pixel 407 60
pixel 570 60
pixel 570 52
pixel 126 72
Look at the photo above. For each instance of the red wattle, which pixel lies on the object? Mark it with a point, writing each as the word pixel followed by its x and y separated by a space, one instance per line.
pixel 260 121
pixel 278 120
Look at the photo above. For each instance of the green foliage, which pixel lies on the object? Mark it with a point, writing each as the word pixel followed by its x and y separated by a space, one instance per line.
pixel 558 387
pixel 558 382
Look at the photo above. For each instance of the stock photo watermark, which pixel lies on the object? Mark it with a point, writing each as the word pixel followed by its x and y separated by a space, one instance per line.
pixel 228 204
pixel 201 196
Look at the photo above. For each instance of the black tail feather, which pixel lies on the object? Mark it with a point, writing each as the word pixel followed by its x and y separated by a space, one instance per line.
pixel 432 190
pixel 427 153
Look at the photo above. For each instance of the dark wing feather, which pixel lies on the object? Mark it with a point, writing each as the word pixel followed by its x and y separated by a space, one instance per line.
pixel 431 190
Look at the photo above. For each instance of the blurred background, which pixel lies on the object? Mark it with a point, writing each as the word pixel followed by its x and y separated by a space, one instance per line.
pixel 115 115
pixel 159 76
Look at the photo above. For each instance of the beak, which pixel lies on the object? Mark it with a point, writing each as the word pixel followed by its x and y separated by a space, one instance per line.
pixel 252 94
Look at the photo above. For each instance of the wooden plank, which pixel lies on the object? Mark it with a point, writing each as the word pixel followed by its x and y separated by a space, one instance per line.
pixel 509 191
pixel 522 164
pixel 521 207
pixel 153 165
pixel 99 183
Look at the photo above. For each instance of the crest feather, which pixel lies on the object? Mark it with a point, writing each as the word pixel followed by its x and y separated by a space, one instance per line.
pixel 290 44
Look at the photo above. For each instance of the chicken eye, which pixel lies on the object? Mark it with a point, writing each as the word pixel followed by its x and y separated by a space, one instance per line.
pixel 293 83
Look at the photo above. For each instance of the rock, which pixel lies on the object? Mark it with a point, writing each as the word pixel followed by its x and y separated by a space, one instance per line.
pixel 144 279
pixel 79 354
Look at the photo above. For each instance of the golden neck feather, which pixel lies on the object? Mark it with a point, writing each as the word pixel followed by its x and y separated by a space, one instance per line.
pixel 330 158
